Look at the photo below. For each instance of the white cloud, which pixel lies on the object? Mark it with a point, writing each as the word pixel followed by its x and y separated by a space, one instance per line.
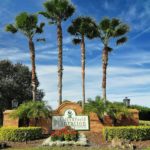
pixel 120 80
pixel 137 15
pixel 17 55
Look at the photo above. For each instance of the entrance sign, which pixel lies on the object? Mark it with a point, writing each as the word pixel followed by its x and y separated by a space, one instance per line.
pixel 70 119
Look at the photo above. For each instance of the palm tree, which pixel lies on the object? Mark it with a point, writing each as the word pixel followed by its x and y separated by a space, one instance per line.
pixel 110 29
pixel 115 110
pixel 83 27
pixel 32 110
pixel 27 25
pixel 58 11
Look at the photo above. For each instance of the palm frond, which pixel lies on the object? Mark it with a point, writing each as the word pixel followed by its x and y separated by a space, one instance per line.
pixel 104 24
pixel 26 21
pixel 11 28
pixel 114 23
pixel 39 29
pixel 72 30
pixel 58 10
pixel 76 41
pixel 84 26
pixel 27 24
pixel 109 49
pixel 45 14
pixel 121 30
pixel 121 40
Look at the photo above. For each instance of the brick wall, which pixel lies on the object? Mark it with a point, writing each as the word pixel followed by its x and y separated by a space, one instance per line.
pixel 9 122
pixel 95 123
pixel 124 121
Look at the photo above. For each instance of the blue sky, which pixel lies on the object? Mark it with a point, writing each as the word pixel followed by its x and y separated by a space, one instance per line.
pixel 129 64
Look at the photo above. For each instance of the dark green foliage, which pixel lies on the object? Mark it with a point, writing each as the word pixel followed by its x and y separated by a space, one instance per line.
pixel 20 134
pixel 58 10
pixel 26 24
pixel 144 112
pixel 32 110
pixel 83 26
pixel 121 40
pixel 129 133
pixel 115 109
pixel 112 28
pixel 11 28
pixel 144 123
pixel 15 83
pixel 96 106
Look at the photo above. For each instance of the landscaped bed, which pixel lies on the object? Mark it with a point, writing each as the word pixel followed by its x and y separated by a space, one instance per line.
pixel 34 145
pixel 66 136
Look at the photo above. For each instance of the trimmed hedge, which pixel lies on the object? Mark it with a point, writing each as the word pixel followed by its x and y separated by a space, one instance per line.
pixel 144 123
pixel 144 112
pixel 129 133
pixel 20 134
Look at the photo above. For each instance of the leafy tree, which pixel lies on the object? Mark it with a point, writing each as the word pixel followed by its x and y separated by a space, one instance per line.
pixel 32 110
pixel 27 24
pixel 110 29
pixel 81 28
pixel 15 83
pixel 57 11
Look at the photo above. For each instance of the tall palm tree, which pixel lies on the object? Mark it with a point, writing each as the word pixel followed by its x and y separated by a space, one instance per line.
pixel 27 24
pixel 83 27
pixel 58 11
pixel 110 29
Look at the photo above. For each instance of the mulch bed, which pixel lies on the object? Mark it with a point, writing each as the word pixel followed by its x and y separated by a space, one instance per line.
pixel 96 139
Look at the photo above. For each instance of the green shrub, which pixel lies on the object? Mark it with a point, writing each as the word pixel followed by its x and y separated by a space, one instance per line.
pixel 20 134
pixel 144 123
pixel 144 112
pixel 130 132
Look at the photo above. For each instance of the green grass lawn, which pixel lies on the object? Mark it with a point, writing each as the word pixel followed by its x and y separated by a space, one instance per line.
pixel 68 148
pixel 65 148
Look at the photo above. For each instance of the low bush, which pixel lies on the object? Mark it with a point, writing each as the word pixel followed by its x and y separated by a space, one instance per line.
pixel 20 134
pixel 129 133
pixel 144 123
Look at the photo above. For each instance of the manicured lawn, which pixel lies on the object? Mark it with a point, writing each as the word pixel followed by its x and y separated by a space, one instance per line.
pixel 66 148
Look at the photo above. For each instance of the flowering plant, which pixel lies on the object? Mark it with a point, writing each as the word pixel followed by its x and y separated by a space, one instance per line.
pixel 65 134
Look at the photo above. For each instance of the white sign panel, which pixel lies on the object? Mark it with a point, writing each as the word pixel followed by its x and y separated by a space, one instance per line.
pixel 70 119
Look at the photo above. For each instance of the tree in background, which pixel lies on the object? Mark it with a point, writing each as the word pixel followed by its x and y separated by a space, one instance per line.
pixel 27 24
pixel 15 83
pixel 32 110
pixel 110 29
pixel 58 11
pixel 81 28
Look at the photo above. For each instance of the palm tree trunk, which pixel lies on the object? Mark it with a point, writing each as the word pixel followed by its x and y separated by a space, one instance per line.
pixel 60 61
pixel 83 69
pixel 104 68
pixel 32 55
